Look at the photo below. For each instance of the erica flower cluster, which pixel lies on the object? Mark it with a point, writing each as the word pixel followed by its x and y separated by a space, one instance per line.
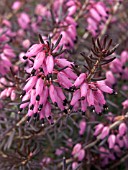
pixel 119 66
pixel 6 51
pixel 116 141
pixel 66 24
pixel 49 74
pixel 89 94
pixel 98 14
pixel 88 90
pixel 9 89
pixel 78 155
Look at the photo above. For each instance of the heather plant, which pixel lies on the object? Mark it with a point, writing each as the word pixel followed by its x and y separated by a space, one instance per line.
pixel 63 85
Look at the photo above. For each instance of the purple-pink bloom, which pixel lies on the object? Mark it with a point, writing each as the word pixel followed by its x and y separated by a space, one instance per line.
pixel 111 141
pixel 105 132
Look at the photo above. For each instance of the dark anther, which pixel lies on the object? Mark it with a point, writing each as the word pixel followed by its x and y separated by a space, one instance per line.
pixel 33 72
pixel 76 40
pixel 49 117
pixel 38 97
pixel 28 118
pixel 49 76
pixel 77 26
pixel 114 92
pixel 72 88
pixel 40 107
pixel 25 58
pixel 82 98
pixel 35 115
pixel 41 69
pixel 56 104
pixel 100 114
pixel 105 106
pixel 107 12
pixel 123 67
pixel 32 107
pixel 65 102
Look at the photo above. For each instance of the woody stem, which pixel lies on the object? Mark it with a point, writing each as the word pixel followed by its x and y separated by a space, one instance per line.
pixel 92 72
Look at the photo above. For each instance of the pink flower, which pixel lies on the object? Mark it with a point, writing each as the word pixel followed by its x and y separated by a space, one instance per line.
pixel 50 63
pixel 39 60
pixel 41 10
pixel 125 104
pixel 98 14
pixel 101 9
pixel 76 148
pixel 16 5
pixel 120 141
pixel 111 141
pixel 78 152
pixel 31 83
pixel 122 129
pixel 90 97
pixel 105 132
pixel 116 66
pixel 110 79
pixel 124 57
pixel 81 155
pixel 75 98
pixel 98 129
pixel 103 87
pixel 26 43
pixel 34 50
pixel 74 165
pixel 24 20
pixel 80 80
pixel 63 80
pixel 82 127
pixel 62 62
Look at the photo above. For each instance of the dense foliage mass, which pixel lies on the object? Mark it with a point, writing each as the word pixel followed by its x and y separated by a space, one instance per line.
pixel 63 85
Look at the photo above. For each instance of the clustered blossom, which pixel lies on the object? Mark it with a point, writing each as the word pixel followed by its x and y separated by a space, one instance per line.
pixel 9 91
pixel 6 51
pixel 24 20
pixel 48 74
pixel 118 66
pixel 98 15
pixel 66 23
pixel 78 154
pixel 116 141
pixel 89 94
pixel 118 71
pixel 125 105
pixel 68 30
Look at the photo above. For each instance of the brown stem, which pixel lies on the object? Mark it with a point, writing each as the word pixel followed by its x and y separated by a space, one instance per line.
pixel 82 10
pixel 93 69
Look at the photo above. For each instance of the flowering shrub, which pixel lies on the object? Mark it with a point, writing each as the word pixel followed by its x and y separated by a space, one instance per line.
pixel 63 85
